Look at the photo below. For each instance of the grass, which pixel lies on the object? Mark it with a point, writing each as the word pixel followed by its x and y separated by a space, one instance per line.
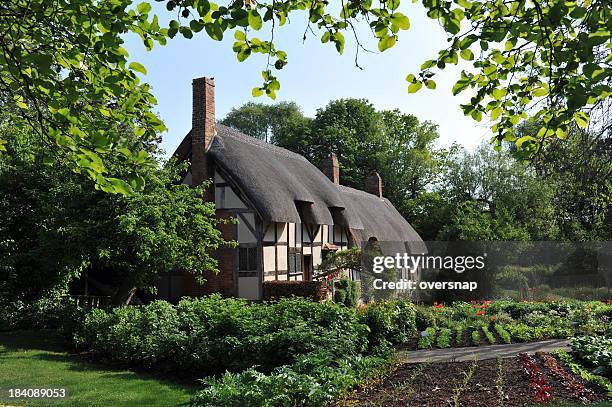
pixel 39 360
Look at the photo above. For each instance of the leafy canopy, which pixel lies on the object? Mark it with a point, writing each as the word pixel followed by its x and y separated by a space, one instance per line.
pixel 65 73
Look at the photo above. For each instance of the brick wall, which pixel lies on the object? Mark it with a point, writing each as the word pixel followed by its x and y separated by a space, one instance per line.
pixel 223 282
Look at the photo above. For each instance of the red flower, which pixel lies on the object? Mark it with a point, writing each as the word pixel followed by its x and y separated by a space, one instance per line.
pixel 480 313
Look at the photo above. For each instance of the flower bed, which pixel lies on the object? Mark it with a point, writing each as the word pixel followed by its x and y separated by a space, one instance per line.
pixel 537 380
pixel 571 383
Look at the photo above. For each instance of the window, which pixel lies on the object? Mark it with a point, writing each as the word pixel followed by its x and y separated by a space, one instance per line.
pixel 295 263
pixel 247 259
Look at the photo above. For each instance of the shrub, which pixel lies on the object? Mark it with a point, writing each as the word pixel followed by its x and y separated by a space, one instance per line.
pixel 314 290
pixel 213 334
pixel 347 292
pixel 55 312
pixel 424 317
pixel 389 320
pixel 312 380
pixel 596 351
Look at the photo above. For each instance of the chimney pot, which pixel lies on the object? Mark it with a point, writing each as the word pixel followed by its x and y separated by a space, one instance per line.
pixel 373 185
pixel 331 169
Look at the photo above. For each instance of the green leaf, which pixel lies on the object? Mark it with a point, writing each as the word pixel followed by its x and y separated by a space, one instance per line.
pixel 255 20
pixel 582 120
pixel 400 20
pixel 467 54
pixel 256 92
pixel 495 113
pixel 240 35
pixel 414 87
pixel 430 84
pixel 460 85
pixel 386 43
pixel 138 67
pixel 428 64
pixel 119 186
pixel 144 7
pixel 539 92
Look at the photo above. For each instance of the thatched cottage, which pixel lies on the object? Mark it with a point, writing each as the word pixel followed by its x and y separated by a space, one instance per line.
pixel 290 214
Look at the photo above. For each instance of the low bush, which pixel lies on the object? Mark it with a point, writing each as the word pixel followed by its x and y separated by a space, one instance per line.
pixel 213 334
pixel 347 292
pixel 314 290
pixel 313 380
pixel 424 317
pixel 595 351
pixel 391 320
pixel 55 312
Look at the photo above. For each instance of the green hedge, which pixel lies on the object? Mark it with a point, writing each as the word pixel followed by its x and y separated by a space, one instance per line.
pixel 54 312
pixel 213 334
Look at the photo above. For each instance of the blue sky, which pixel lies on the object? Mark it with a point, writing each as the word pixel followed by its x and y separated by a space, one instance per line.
pixel 315 75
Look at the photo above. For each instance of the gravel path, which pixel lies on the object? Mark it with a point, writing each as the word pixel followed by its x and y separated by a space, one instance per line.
pixel 481 352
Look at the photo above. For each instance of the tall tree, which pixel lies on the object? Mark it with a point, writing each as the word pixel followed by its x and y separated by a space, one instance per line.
pixel 274 123
pixel 55 225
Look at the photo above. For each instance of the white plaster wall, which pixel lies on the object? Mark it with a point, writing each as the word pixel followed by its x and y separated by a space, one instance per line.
pixel 244 234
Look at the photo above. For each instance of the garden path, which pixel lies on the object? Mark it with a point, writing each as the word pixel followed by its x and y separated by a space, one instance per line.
pixel 481 352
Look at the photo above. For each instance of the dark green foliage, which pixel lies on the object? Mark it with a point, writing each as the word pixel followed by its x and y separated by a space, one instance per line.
pixel 46 313
pixel 424 317
pixel 313 380
pixel 391 320
pixel 213 334
pixel 282 123
pixel 347 292
pixel 56 226
pixel 595 351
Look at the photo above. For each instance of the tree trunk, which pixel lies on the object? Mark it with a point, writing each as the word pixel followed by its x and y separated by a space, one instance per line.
pixel 124 294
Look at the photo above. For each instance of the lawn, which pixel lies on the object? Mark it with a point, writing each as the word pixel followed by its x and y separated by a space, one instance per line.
pixel 40 360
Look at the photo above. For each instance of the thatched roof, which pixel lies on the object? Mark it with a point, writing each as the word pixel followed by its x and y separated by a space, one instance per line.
pixel 277 182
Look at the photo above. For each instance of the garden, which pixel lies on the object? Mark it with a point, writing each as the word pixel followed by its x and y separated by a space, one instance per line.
pixel 296 352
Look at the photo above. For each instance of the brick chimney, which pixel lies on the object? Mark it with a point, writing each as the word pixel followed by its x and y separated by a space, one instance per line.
pixel 330 168
pixel 202 128
pixel 373 185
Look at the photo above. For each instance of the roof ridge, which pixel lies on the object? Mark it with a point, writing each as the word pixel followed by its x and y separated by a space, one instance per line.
pixel 238 135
